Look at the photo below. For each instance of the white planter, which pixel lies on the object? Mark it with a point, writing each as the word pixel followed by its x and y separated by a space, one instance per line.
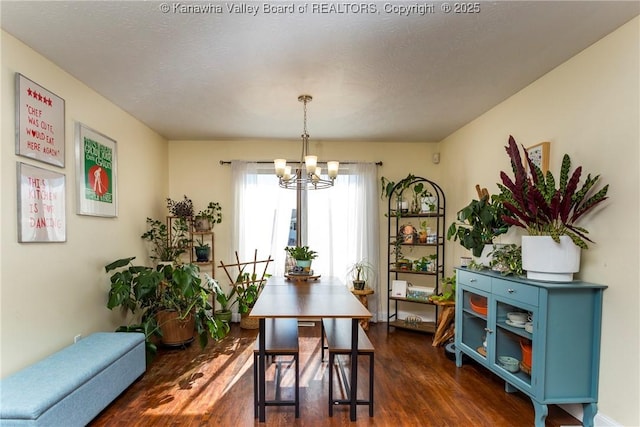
pixel 546 260
pixel 428 204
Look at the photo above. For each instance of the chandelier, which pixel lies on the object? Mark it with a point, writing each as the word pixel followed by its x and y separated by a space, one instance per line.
pixel 308 174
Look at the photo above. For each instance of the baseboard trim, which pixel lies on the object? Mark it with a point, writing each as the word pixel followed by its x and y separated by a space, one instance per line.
pixel 600 420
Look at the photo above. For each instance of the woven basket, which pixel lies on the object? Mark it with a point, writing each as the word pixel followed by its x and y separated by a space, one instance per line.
pixel 174 330
pixel 247 322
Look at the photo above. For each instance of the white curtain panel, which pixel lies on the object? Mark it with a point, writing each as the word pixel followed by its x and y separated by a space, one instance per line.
pixel 342 221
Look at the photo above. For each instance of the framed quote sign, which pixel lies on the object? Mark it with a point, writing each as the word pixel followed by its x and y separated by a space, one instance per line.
pixel 39 122
pixel 96 172
pixel 41 205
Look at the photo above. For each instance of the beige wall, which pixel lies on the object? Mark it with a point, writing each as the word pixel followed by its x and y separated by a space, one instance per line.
pixel 195 171
pixel 588 108
pixel 54 291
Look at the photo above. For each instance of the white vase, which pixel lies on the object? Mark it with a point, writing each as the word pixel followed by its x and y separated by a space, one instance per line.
pixel 546 260
pixel 428 204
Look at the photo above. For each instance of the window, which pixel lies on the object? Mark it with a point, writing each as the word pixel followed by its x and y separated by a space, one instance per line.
pixel 342 220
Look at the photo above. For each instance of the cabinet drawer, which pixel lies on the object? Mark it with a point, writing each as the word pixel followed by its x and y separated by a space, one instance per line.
pixel 516 291
pixel 474 280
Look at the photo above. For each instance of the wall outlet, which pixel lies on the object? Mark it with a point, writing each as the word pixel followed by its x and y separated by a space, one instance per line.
pixel 77 338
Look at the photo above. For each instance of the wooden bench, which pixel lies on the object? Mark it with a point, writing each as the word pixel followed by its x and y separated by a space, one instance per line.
pixel 281 339
pixel 337 333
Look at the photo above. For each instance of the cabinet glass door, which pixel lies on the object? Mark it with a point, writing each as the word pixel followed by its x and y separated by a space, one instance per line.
pixel 474 319
pixel 513 341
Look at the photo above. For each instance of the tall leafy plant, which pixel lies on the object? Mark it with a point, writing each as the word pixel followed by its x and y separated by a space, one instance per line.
pixel 543 207
pixel 479 222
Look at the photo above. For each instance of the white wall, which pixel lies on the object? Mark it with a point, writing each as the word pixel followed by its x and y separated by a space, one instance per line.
pixel 589 108
pixel 54 291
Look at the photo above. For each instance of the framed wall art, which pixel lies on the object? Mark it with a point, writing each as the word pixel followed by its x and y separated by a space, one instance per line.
pixel 96 173
pixel 39 122
pixel 41 205
pixel 539 155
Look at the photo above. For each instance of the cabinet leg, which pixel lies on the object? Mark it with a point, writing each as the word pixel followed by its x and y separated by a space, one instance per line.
pixel 541 412
pixel 509 388
pixel 589 411
pixel 458 358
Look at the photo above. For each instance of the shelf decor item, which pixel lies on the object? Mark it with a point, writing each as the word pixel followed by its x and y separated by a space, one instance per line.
pixel 549 210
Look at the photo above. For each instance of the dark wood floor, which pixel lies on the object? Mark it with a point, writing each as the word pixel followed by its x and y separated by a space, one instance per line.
pixel 415 385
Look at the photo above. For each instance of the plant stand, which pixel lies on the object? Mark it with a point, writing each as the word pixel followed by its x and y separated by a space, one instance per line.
pixel 362 295
pixel 445 329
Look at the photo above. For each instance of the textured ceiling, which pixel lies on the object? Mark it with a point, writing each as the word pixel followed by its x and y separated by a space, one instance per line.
pixel 375 75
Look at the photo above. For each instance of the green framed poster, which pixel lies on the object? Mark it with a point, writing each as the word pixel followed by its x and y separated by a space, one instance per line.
pixel 96 173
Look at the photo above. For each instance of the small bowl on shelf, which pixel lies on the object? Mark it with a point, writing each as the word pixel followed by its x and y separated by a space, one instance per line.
pixel 511 364
pixel 517 317
pixel 478 304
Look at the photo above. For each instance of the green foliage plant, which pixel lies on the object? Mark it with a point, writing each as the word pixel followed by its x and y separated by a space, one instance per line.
pixel 479 223
pixel 448 290
pixel 248 288
pixel 546 208
pixel 507 259
pixel 145 291
pixel 167 246
pixel 213 212
pixel 301 253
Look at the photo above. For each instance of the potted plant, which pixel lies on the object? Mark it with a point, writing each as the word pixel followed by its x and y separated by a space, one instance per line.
pixel 478 224
pixel 165 299
pixel 203 250
pixel 181 208
pixel 303 256
pixel 360 273
pixel 507 259
pixel 208 217
pixel 425 263
pixel 392 189
pixel 423 201
pixel 549 210
pixel 248 288
pixel 225 301
pixel 167 246
pixel 448 293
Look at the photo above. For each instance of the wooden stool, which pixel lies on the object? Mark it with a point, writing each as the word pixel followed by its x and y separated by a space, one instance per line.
pixel 362 295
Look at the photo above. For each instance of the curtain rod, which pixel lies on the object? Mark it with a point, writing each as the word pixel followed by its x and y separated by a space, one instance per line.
pixel 228 162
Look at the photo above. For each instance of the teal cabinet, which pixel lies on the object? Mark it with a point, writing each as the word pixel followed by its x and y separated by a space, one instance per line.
pixel 562 346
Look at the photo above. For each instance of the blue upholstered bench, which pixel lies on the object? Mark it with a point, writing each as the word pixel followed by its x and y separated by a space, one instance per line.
pixel 72 386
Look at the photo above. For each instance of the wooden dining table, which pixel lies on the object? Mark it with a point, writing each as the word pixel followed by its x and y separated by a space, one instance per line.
pixel 305 300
